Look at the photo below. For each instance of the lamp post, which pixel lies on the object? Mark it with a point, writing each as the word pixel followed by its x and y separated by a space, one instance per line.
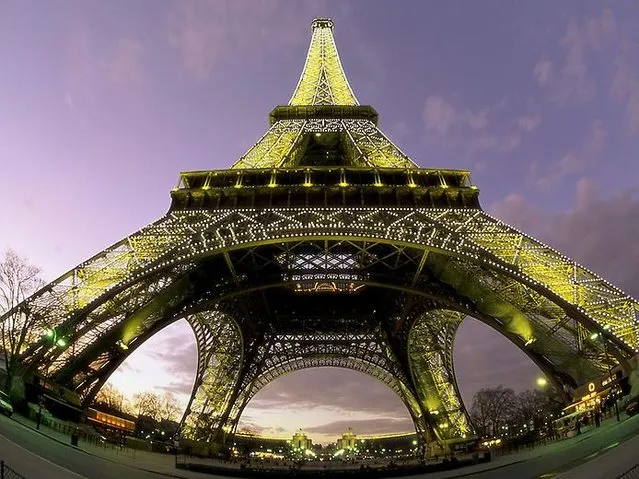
pixel 594 336
pixel 57 342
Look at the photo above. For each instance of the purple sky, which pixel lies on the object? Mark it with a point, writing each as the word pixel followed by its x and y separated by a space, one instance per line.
pixel 103 103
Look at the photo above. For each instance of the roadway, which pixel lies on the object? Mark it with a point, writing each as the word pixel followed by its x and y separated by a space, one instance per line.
pixel 593 455
pixel 34 455
pixel 601 453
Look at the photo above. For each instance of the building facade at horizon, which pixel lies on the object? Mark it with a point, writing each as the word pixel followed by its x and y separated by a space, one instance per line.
pixel 326 245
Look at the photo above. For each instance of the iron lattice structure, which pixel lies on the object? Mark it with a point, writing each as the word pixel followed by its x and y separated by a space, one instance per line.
pixel 325 245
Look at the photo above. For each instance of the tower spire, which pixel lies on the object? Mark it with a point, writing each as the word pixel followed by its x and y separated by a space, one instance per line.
pixel 323 81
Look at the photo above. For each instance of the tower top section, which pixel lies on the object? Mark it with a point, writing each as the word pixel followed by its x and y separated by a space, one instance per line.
pixel 323 81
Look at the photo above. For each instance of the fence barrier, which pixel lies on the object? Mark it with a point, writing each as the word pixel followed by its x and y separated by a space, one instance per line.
pixel 632 473
pixel 7 473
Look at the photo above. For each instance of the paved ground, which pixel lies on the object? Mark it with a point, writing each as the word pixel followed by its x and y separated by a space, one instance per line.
pixel 604 453
pixel 35 455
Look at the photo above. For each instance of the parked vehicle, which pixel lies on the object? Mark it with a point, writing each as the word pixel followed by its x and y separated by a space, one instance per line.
pixel 5 404
pixel 632 407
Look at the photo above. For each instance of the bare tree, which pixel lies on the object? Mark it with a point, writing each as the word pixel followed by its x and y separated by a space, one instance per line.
pixel 160 408
pixel 493 408
pixel 147 404
pixel 18 328
pixel 110 397
pixel 531 407
pixel 170 407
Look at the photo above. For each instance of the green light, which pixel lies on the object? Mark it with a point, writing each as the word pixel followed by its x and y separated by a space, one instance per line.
pixel 49 333
pixel 61 343
pixel 594 336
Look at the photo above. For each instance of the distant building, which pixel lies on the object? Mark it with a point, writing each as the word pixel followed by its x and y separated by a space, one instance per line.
pixel 348 441
pixel 399 445
pixel 301 441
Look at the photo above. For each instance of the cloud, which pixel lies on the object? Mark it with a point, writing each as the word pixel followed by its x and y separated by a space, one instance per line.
pixel 573 73
pixel 181 387
pixel 528 123
pixel 364 426
pixel 569 78
pixel 198 39
pixel 439 115
pixel 600 29
pixel 203 31
pixel 478 120
pixel 598 233
pixel 625 84
pixel 91 72
pixel 125 65
pixel 468 130
pixel 322 386
pixel 542 71
pixel 573 161
pixel 494 142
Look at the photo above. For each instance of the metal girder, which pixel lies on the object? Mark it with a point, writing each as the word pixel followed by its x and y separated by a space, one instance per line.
pixel 452 232
pixel 364 144
pixel 430 352
pixel 323 81
pixel 382 244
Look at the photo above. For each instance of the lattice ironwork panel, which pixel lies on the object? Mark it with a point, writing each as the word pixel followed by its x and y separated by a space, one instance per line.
pixel 430 353
pixel 282 354
pixel 323 81
pixel 193 234
pixel 552 305
pixel 368 146
pixel 274 147
pixel 219 363
pixel 283 145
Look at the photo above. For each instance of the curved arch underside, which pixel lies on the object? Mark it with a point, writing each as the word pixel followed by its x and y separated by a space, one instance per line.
pixel 248 281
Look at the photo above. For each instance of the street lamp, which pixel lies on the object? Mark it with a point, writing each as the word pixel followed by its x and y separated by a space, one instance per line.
pixel 593 337
pixel 542 382
pixel 51 336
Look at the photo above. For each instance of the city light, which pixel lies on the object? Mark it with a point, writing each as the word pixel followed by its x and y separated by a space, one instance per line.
pixel 542 382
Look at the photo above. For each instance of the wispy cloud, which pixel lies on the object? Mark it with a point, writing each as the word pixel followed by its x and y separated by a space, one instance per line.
pixel 528 123
pixel 337 384
pixel 542 71
pixel 203 31
pixel 363 426
pixel 125 64
pixel 572 162
pixel 569 77
pixel 625 83
pixel 439 115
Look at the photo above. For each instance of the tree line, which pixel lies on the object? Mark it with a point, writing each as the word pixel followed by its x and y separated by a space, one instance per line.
pixel 499 412
pixel 159 407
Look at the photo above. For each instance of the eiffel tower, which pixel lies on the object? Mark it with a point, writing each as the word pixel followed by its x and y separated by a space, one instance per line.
pixel 326 245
